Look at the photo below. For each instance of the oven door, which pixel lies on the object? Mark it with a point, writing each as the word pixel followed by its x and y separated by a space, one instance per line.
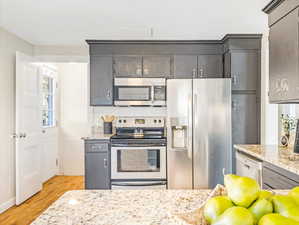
pixel 139 185
pixel 129 163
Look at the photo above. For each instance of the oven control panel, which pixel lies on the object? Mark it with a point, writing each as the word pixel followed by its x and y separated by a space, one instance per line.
pixel 140 122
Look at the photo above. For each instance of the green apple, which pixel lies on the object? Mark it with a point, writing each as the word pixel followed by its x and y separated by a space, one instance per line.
pixel 216 206
pixel 260 208
pixel 276 219
pixel 235 216
pixel 294 193
pixel 243 191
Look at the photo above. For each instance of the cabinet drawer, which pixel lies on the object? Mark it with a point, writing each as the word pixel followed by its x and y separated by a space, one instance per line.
pixel 97 147
pixel 274 180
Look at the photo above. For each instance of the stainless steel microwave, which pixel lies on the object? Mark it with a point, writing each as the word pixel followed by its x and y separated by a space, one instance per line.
pixel 140 91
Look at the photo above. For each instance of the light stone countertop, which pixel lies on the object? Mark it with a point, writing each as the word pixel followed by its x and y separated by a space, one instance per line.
pixel 279 156
pixel 121 207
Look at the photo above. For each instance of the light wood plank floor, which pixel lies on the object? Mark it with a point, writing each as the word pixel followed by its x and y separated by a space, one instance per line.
pixel 55 187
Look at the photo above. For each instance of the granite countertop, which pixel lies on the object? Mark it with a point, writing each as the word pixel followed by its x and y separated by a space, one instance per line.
pixel 98 136
pixel 121 207
pixel 279 156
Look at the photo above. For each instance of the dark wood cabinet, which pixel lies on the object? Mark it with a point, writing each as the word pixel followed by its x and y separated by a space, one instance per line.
pixel 156 66
pixel 101 81
pixel 97 164
pixel 184 66
pixel 210 66
pixel 127 66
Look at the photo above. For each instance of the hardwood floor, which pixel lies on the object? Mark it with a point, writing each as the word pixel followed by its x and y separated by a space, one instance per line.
pixel 55 187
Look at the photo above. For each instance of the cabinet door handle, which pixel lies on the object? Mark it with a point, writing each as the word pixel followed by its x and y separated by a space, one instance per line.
pixel 234 105
pixel 108 94
pixel 194 73
pixel 105 163
pixel 234 79
pixel 201 72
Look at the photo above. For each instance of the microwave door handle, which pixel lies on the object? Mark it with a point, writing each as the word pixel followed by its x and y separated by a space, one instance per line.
pixel 138 184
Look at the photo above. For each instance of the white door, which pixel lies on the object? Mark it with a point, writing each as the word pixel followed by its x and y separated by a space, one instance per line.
pixel 28 128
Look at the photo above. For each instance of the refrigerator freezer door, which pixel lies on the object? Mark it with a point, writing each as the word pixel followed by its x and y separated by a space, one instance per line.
pixel 212 149
pixel 179 134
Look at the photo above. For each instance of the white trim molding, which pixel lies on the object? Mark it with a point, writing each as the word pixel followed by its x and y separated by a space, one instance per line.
pixel 6 205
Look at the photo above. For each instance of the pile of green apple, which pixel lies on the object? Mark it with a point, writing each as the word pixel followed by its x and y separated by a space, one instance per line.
pixel 247 204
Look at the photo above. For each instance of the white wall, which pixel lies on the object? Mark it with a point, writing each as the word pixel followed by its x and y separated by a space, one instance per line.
pixel 9 44
pixel 74 122
pixel 269 112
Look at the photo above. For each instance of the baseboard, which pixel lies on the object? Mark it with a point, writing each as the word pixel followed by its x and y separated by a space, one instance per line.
pixel 6 205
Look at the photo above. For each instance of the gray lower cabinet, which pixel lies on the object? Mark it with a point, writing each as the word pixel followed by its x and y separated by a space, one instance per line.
pixel 127 66
pixel 210 66
pixel 156 66
pixel 284 59
pixel 244 69
pixel 101 81
pixel 97 164
pixel 278 178
pixel 245 119
pixel 184 66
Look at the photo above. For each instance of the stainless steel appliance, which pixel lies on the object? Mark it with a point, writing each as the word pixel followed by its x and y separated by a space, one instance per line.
pixel 249 167
pixel 138 153
pixel 199 132
pixel 140 91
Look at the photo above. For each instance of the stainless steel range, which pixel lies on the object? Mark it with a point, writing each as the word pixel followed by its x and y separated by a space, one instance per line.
pixel 138 153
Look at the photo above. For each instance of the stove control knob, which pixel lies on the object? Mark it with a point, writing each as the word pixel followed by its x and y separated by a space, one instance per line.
pixel 119 121
pixel 125 121
pixel 160 121
pixel 155 121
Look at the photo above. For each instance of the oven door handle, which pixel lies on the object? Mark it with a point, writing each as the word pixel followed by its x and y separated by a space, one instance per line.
pixel 138 184
pixel 138 145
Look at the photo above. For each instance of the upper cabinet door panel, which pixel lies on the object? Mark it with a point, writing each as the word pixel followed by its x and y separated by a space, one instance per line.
pixel 101 81
pixel 156 66
pixel 210 66
pixel 127 66
pixel 185 66
pixel 244 119
pixel 283 46
pixel 244 70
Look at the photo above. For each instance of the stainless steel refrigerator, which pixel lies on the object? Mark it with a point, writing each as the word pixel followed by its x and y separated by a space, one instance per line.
pixel 199 149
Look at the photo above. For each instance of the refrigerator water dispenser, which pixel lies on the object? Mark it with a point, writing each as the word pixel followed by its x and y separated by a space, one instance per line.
pixel 179 137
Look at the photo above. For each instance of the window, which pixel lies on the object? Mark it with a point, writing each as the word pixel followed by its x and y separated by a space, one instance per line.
pixel 48 96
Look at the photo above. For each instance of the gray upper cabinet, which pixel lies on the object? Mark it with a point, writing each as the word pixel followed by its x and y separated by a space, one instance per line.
pixel 127 66
pixel 156 66
pixel 185 66
pixel 101 81
pixel 244 70
pixel 210 66
pixel 284 58
pixel 245 119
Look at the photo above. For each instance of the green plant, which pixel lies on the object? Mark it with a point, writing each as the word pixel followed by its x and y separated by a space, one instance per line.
pixel 288 123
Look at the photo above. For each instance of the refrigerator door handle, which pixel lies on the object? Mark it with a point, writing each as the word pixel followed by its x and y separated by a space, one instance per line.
pixel 190 128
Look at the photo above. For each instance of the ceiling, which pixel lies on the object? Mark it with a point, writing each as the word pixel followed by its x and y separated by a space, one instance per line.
pixel 70 22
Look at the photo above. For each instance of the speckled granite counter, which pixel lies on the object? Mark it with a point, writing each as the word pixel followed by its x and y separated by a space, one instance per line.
pixel 121 207
pixel 279 156
pixel 98 136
